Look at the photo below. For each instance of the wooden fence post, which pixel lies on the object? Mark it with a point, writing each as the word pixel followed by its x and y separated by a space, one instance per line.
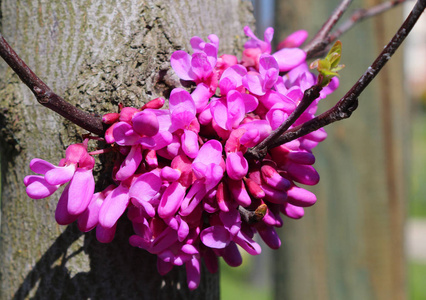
pixel 350 244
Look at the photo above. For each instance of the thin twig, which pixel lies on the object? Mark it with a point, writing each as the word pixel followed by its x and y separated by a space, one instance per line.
pixel 362 14
pixel 45 96
pixel 344 108
pixel 322 39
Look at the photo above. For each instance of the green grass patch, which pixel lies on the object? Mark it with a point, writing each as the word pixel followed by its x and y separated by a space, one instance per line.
pixel 417 281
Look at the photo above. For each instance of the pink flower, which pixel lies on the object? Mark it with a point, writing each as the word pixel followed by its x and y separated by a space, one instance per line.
pixel 287 56
pixel 76 169
pixel 181 175
pixel 200 66
pixel 260 83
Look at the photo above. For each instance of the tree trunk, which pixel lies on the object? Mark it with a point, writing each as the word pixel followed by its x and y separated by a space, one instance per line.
pixel 349 245
pixel 96 54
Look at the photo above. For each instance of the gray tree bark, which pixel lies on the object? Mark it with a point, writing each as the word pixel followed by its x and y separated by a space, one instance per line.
pixel 95 54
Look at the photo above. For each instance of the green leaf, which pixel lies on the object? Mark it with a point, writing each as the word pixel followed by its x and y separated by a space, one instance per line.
pixel 329 66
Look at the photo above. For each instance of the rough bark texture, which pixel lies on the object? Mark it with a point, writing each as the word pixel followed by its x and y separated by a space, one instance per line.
pixel 96 54
pixel 349 245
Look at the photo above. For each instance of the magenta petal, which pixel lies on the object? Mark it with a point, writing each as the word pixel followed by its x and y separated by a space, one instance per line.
pixel 145 187
pixel 231 221
pixel 276 117
pixel 197 43
pixel 236 165
pixel 292 211
pixel 250 102
pixel 303 158
pixel 180 98
pixel 210 153
pixel 273 195
pixel 254 84
pixel 248 32
pixel 214 39
pixel 105 235
pixel 114 206
pixel 146 123
pixel 130 164
pixel 270 79
pixel 294 40
pixel 236 72
pixel 147 207
pixel 162 139
pixel 205 116
pixel 183 230
pixel 200 169
pixel 236 109
pixel 60 175
pixel 216 237
pixel 181 64
pixel 171 200
pixel 201 65
pixel 193 273
pixel 38 188
pixel 90 217
pixel 303 173
pixel 247 243
pixel 219 112
pixel 288 58
pixel 274 179
pixel 270 237
pixel 124 134
pixel 163 241
pixel 201 96
pixel 214 176
pixel 266 63
pixel 147 142
pixel 81 190
pixel 268 35
pixel 138 241
pixel 301 197
pixel 40 166
pixel 163 267
pixel 190 143
pixel 226 85
pixel 211 260
pixel 211 52
pixel 62 216
pixel 239 192
pixel 170 174
pixel 317 135
pixel 189 249
pixel 231 255
pixel 193 198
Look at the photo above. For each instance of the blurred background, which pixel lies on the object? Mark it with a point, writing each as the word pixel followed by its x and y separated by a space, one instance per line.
pixel 365 238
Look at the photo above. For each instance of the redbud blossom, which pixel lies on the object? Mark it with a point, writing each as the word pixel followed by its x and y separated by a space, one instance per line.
pixel 180 173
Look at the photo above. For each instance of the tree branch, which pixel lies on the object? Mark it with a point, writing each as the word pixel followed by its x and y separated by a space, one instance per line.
pixel 322 39
pixel 362 14
pixel 344 108
pixel 45 96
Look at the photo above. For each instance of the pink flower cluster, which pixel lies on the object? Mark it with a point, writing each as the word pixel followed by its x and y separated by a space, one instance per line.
pixel 181 174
